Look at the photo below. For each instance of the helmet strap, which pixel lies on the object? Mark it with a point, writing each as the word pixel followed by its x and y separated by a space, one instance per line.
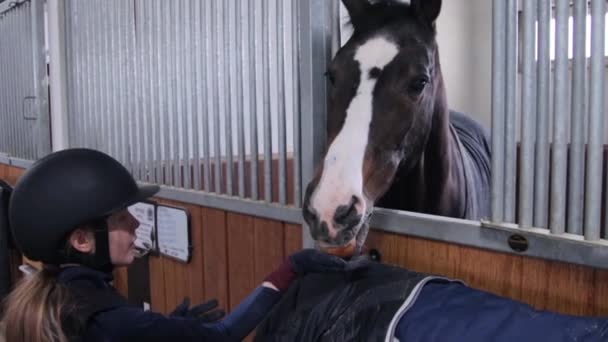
pixel 100 260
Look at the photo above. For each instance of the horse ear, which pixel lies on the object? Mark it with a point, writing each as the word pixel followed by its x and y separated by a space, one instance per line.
pixel 428 10
pixel 356 9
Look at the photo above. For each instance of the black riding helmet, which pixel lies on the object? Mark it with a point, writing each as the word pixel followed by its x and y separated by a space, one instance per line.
pixel 66 189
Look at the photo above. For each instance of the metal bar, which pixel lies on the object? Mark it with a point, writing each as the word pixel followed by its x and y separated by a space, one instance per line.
pixel 255 48
pixel 511 113
pixel 526 164
pixel 176 91
pixel 576 168
pixel 173 117
pixel 186 82
pixel 227 32
pixel 281 100
pixel 124 144
pixel 465 232
pixel 11 92
pixel 95 75
pixel 10 98
pixel 141 101
pixel 492 236
pixel 233 204
pixel 88 94
pixel 165 62
pixel 106 14
pixel 541 172
pixel 17 92
pixel 595 152
pixel 5 130
pixel 266 98
pixel 67 46
pixel 158 78
pixel 499 37
pixel 559 155
pixel 297 151
pixel 315 18
pixel 196 85
pixel 150 111
pixel 41 90
pixel 240 27
pixel 217 43
pixel 78 94
pixel 113 105
pixel 23 59
pixel 207 71
pixel 133 84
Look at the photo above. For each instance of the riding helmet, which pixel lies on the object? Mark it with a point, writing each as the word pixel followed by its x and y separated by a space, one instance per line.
pixel 66 189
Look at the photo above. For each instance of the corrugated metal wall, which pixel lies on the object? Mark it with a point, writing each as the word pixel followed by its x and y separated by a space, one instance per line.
pixel 180 90
pixel 17 94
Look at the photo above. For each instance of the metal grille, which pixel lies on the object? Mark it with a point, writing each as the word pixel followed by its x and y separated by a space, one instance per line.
pixel 558 107
pixel 198 95
pixel 23 92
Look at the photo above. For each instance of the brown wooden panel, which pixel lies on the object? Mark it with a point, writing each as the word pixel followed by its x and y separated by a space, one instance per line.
pixel 269 242
pixel 495 272
pixel 195 268
pixel 171 300
pixel 543 284
pixel 387 244
pixel 13 174
pixel 215 255
pixel 121 281
pixel 535 282
pixel 570 288
pixel 3 171
pixel 293 238
pixel 600 295
pixel 241 257
pixel 157 284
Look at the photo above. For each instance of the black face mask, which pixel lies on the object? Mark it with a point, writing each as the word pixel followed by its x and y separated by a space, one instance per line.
pixel 100 260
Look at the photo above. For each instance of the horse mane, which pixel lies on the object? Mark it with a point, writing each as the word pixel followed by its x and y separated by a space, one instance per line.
pixel 380 13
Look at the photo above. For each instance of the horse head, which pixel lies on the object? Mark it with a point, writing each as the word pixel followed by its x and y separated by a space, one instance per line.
pixel 385 96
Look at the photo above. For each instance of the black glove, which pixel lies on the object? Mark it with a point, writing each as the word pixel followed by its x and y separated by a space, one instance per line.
pixel 203 312
pixel 314 261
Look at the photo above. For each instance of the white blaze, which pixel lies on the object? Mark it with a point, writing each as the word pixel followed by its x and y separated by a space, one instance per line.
pixel 342 175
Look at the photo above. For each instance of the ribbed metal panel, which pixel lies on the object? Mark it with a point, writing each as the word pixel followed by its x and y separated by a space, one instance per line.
pixel 188 93
pixel 23 88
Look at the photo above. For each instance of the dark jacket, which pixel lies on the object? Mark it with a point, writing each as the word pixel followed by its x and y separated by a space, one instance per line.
pixel 351 306
pixel 106 316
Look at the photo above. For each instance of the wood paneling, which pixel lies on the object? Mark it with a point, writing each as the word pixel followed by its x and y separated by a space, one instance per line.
pixel 157 284
pixel 549 285
pixel 269 247
pixel 293 238
pixel 121 281
pixel 215 255
pixel 241 257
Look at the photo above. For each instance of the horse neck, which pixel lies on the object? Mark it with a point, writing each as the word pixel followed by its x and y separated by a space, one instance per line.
pixel 439 176
pixel 436 184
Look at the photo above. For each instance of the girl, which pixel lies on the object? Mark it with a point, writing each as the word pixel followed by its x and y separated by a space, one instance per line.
pixel 69 211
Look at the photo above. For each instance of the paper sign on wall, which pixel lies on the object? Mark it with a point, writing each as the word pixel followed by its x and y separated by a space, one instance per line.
pixel 146 232
pixel 173 229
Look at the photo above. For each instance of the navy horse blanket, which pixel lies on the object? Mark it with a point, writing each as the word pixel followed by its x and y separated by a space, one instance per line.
pixel 387 303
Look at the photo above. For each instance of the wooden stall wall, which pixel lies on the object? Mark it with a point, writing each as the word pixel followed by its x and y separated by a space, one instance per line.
pixel 546 285
pixel 232 253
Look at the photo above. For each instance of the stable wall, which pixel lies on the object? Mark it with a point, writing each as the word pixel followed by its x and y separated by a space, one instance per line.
pixel 232 254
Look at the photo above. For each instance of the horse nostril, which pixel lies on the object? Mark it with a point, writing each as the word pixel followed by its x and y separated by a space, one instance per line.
pixel 347 215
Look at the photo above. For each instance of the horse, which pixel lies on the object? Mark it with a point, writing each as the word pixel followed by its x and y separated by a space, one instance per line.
pixel 392 141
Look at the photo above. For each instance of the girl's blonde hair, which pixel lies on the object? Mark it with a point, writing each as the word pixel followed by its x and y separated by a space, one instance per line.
pixel 33 311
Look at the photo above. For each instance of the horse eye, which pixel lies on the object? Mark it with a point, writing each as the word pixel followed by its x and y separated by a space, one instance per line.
pixel 417 86
pixel 330 76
